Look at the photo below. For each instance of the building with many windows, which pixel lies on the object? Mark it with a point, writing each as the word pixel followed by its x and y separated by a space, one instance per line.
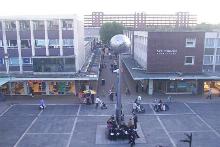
pixel 44 55
pixel 173 62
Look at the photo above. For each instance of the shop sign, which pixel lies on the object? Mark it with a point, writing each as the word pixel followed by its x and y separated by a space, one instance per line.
pixel 166 52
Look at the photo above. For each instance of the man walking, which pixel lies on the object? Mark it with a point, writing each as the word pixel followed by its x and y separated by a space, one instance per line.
pixel 209 94
pixel 135 119
pixel 97 100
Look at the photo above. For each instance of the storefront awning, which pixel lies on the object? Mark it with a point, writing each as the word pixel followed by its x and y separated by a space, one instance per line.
pixel 3 81
pixel 137 72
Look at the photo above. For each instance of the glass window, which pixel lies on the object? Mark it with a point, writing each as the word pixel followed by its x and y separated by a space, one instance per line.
pixel 1 61
pixel 218 42
pixel 25 44
pixel 12 43
pixel 1 43
pixel 218 51
pixel 10 25
pixel 209 42
pixel 53 43
pixel 208 60
pixel 68 42
pixel 27 60
pixel 191 42
pixel 209 51
pixel 217 60
pixel 67 24
pixel 14 61
pixel 38 25
pixel 189 60
pixel 53 25
pixel 17 88
pixel 40 43
pixel 24 25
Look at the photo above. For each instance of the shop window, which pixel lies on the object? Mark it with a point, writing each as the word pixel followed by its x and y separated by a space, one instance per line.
pixel 190 42
pixel 209 43
pixel 68 42
pixel 208 60
pixel 40 43
pixel 38 87
pixel 17 88
pixel 12 43
pixel 27 60
pixel 25 44
pixel 54 43
pixel 189 60
pixel 14 61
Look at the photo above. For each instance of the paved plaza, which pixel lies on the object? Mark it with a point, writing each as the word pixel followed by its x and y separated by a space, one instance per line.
pixel 79 125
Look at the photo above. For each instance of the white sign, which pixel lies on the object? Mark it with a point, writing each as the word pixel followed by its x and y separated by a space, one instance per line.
pixel 166 52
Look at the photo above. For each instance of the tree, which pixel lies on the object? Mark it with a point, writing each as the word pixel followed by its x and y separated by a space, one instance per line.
pixel 108 30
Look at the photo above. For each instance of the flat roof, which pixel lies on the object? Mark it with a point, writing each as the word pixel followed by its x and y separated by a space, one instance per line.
pixel 137 72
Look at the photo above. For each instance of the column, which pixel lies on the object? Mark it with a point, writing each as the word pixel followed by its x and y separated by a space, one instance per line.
pixel 5 47
pixel 19 46
pixel 46 38
pixel 32 38
pixel 151 87
pixel 60 37
pixel 47 88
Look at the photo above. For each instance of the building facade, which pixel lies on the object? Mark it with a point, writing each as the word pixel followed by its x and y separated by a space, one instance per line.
pixel 173 62
pixel 42 54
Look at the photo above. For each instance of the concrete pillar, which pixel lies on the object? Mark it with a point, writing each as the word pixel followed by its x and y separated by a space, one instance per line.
pixel 32 38
pixel 5 47
pixel 60 37
pixel 151 87
pixel 19 46
pixel 26 90
pixel 46 38
pixel 47 88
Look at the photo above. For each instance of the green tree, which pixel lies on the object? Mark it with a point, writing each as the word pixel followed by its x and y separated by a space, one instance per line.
pixel 108 30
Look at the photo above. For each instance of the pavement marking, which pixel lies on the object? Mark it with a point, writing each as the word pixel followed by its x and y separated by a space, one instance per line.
pixel 202 131
pixel 25 132
pixel 48 133
pixel 74 126
pixel 164 128
pixel 209 126
pixel 50 104
pixel 6 110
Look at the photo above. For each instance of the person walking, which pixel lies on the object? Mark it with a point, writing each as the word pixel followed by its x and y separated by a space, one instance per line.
pixel 130 123
pixel 97 100
pixel 111 95
pixel 135 119
pixel 209 94
pixel 92 98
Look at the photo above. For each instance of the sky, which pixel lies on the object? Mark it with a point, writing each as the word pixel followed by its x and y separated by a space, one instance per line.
pixel 206 10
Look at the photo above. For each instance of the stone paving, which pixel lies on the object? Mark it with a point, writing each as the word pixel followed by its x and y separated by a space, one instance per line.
pixel 79 125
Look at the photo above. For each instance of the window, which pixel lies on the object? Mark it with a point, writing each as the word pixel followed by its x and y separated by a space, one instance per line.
pixel 25 44
pixel 218 42
pixel 218 51
pixel 190 42
pixel 67 24
pixel 26 60
pixel 1 61
pixel 189 60
pixel 40 43
pixel 68 42
pixel 10 26
pixel 209 42
pixel 1 43
pixel 14 61
pixel 38 25
pixel 12 43
pixel 209 51
pixel 53 25
pixel 24 25
pixel 54 43
pixel 208 60
pixel 217 61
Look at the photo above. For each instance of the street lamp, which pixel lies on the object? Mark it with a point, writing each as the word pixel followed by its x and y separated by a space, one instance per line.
pixel 120 44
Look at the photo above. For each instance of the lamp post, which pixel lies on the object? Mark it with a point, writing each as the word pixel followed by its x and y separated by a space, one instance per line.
pixel 120 44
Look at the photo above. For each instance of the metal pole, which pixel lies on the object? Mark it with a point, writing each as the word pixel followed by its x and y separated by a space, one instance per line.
pixel 118 104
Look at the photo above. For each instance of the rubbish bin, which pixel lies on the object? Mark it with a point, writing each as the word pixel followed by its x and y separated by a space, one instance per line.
pixel 103 81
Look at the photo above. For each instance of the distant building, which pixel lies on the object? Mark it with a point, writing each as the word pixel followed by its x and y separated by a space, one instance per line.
pixel 44 54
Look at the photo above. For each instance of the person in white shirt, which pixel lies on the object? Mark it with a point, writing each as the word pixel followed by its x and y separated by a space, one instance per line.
pixel 97 101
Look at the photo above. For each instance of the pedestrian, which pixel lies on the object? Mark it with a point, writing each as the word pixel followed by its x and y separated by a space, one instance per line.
pixel 92 98
pixel 130 123
pixel 134 106
pixel 31 92
pixel 111 95
pixel 135 119
pixel 139 99
pixel 209 94
pixel 97 101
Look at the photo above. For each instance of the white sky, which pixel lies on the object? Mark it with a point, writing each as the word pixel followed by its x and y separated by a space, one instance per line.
pixel 206 10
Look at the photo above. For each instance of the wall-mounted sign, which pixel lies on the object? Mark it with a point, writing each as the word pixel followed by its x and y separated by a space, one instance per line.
pixel 166 52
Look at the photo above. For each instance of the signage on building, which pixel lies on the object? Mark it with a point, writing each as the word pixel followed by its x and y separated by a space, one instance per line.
pixel 166 52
